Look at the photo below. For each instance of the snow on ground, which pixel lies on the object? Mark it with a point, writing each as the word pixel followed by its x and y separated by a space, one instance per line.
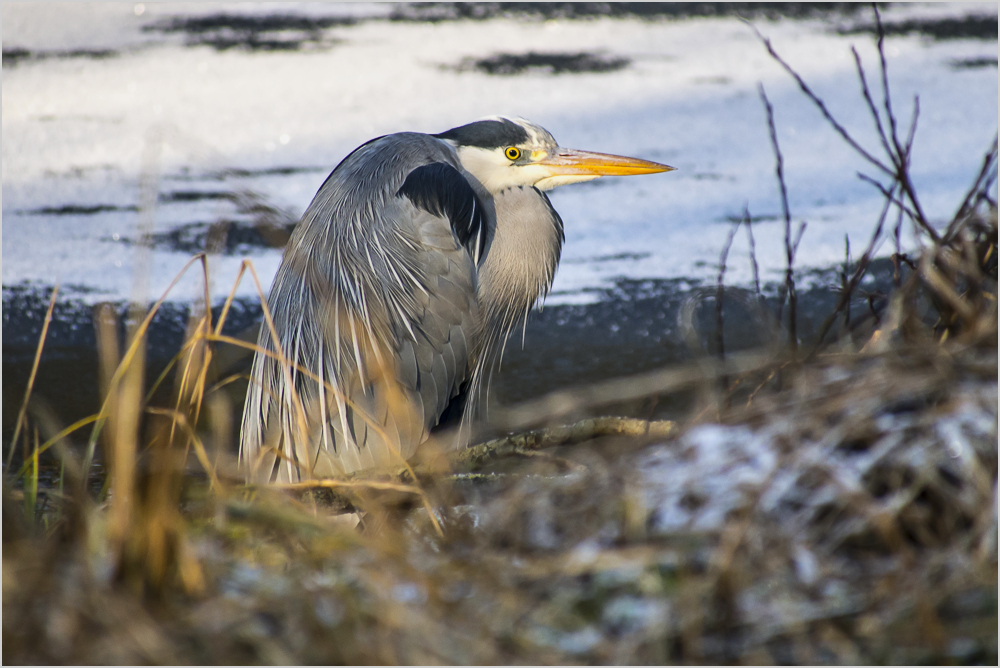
pixel 75 130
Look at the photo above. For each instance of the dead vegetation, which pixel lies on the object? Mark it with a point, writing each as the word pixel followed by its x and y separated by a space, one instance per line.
pixel 829 503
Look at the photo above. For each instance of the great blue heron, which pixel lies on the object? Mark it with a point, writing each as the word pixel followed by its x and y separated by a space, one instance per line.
pixel 398 289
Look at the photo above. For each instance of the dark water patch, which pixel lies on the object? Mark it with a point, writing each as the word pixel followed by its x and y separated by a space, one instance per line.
pixel 67 373
pixel 966 27
pixel 187 175
pixel 456 11
pixel 248 23
pixel 245 200
pixel 24 308
pixel 12 57
pixel 271 32
pixel 226 237
pixel 260 225
pixel 78 209
pixel 252 43
pixel 973 63
pixel 195 196
pixel 553 63
pixel 608 258
pixel 638 325
pixel 762 218
pixel 269 171
pixel 635 326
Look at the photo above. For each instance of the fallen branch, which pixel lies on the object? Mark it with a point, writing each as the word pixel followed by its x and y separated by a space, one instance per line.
pixel 526 444
pixel 519 445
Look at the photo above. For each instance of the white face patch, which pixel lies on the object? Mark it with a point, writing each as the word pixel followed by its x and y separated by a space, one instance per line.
pixel 497 172
pixel 490 166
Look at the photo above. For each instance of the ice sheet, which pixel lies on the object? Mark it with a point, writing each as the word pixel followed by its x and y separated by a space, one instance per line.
pixel 75 130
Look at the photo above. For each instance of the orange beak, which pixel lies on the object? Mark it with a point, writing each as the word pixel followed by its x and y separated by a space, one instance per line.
pixel 571 161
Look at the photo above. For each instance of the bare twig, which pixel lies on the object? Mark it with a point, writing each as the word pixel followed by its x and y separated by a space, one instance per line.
pixel 720 292
pixel 753 255
pixel 798 237
pixel 793 298
pixel 901 156
pixel 986 174
pixel 898 153
pixel 886 192
pixel 844 281
pixel 822 107
pixel 886 97
pixel 866 92
pixel 912 133
pixel 789 245
pixel 859 272
pixel 779 168
pixel 897 256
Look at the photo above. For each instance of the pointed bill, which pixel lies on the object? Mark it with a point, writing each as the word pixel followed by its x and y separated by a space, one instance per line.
pixel 570 161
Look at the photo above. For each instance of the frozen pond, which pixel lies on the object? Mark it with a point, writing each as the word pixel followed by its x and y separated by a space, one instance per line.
pixel 254 104
pixel 78 113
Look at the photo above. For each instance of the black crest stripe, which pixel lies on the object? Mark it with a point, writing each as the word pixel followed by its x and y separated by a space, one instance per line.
pixel 487 134
pixel 441 190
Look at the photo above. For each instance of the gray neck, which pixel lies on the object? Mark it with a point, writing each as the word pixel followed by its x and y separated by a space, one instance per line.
pixel 521 261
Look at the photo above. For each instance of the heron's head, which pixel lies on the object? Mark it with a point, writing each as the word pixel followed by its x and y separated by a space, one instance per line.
pixel 503 153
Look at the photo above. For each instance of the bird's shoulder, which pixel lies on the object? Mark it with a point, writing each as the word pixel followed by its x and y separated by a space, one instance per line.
pixel 402 179
pixel 383 163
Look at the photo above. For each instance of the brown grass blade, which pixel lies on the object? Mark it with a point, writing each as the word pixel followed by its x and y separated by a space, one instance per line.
pixel 31 377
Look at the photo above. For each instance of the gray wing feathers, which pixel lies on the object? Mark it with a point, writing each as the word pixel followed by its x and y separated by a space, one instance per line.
pixel 375 300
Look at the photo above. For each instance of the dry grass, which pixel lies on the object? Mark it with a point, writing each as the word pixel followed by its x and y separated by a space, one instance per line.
pixel 832 505
pixel 867 533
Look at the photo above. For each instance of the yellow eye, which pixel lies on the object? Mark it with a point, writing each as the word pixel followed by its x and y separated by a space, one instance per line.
pixel 513 152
